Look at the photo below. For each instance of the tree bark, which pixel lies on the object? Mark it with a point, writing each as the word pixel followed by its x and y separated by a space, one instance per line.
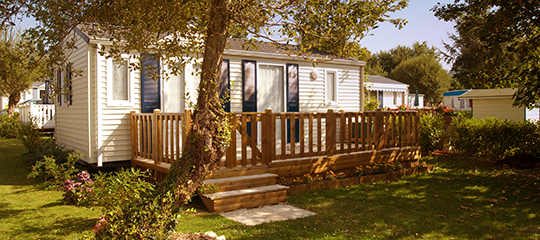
pixel 208 136
pixel 14 98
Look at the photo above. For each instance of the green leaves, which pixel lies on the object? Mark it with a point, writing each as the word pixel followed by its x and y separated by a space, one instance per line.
pixel 496 45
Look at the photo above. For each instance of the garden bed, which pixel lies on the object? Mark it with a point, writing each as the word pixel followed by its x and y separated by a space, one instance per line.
pixel 336 183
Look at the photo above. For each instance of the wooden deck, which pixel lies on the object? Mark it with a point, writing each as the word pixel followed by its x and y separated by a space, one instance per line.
pixel 282 145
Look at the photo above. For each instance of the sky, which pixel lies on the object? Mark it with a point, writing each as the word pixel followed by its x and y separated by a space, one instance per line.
pixel 422 26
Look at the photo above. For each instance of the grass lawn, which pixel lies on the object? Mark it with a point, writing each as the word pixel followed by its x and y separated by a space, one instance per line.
pixel 461 199
pixel 29 212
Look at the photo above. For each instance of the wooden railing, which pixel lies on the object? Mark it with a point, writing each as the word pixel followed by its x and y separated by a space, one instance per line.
pixel 41 114
pixel 263 137
pixel 159 136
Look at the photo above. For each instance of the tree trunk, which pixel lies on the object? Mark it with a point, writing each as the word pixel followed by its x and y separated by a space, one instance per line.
pixel 209 134
pixel 14 98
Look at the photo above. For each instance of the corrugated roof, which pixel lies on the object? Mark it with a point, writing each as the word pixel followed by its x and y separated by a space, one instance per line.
pixel 488 93
pixel 455 92
pixel 381 79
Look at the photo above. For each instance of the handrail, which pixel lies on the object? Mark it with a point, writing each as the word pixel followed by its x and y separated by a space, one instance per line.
pixel 41 114
pixel 262 137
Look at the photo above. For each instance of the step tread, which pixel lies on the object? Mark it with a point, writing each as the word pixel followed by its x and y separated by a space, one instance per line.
pixel 239 178
pixel 248 191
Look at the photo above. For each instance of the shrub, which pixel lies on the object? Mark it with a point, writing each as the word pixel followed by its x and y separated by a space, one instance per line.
pixel 371 103
pixel 9 126
pixel 38 146
pixel 496 138
pixel 131 208
pixel 78 191
pixel 53 173
pixel 431 132
pixel 30 136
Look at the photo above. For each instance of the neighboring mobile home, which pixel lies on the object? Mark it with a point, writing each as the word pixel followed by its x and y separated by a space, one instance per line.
pixel 36 91
pixel 498 103
pixel 389 92
pixel 451 99
pixel 95 118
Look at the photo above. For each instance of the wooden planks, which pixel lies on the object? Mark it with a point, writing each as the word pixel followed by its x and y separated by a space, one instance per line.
pixel 260 138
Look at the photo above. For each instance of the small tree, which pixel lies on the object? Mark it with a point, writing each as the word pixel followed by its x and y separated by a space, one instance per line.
pixel 20 65
pixel 425 74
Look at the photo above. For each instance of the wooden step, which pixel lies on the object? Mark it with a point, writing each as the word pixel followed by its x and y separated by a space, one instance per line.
pixel 239 171
pixel 242 182
pixel 245 198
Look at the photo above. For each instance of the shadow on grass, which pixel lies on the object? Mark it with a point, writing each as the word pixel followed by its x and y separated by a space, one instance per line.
pixel 58 229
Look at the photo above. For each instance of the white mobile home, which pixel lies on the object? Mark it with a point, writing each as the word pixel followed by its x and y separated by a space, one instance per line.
pixel 389 92
pixel 94 118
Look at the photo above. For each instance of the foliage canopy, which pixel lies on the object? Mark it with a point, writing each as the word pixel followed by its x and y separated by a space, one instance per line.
pixel 498 45
pixel 20 65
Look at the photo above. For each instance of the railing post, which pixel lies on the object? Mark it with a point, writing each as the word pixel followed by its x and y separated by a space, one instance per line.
pixel 379 130
pixel 186 126
pixel 156 128
pixel 417 128
pixel 230 159
pixel 134 137
pixel 266 136
pixel 330 132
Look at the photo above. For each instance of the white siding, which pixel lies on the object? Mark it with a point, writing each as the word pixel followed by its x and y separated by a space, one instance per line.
pixel 534 114
pixel 113 124
pixel 312 93
pixel 71 128
pixel 500 108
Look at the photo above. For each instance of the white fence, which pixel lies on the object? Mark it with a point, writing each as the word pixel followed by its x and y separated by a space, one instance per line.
pixel 41 114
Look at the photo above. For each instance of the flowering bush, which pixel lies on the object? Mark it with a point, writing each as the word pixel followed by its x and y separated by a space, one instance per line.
pixel 330 175
pixel 403 107
pixel 444 110
pixel 300 180
pixel 77 192
pixel 363 170
pixel 100 226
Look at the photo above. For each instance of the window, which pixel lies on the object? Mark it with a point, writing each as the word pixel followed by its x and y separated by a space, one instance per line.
pixel 35 93
pixel 395 98
pixel 331 86
pixel 118 84
pixel 69 95
pixel 58 88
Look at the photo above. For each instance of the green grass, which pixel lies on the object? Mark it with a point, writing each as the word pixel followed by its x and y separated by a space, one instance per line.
pixel 452 202
pixel 29 212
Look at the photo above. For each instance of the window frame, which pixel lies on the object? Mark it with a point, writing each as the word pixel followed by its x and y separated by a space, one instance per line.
pixel 110 84
pixel 335 83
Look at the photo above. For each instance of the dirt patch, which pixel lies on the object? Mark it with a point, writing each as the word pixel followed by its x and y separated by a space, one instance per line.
pixel 523 161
